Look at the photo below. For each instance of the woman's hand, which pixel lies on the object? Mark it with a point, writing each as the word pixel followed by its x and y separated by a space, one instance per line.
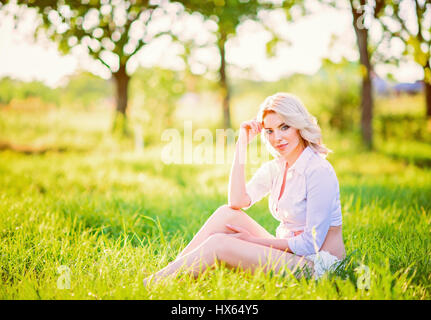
pixel 240 232
pixel 251 129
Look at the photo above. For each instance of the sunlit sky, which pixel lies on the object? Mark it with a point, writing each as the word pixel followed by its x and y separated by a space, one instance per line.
pixel 23 58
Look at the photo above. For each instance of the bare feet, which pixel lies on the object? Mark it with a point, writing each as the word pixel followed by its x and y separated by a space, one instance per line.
pixel 148 280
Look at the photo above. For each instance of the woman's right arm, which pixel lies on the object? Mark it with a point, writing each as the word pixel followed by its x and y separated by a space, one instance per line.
pixel 238 197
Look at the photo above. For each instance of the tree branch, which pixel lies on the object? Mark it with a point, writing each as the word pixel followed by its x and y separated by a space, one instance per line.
pixel 418 17
pixel 97 56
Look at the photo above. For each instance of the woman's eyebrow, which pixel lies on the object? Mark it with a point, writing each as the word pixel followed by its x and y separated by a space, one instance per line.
pixel 279 126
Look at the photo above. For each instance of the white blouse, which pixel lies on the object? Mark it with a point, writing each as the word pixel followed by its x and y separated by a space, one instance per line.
pixel 310 200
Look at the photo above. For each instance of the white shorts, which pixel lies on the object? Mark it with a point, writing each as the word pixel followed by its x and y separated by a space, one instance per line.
pixel 323 261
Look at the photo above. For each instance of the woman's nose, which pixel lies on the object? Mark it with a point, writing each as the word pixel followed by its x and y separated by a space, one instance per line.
pixel 277 135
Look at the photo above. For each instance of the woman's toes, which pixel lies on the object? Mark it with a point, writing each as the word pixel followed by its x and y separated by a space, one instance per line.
pixel 148 280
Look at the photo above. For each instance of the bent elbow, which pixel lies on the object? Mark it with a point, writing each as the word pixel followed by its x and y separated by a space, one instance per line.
pixel 235 206
pixel 239 204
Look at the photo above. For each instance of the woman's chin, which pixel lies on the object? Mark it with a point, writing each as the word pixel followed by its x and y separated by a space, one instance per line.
pixel 283 151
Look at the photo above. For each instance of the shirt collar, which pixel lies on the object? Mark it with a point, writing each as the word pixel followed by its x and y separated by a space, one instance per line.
pixel 300 164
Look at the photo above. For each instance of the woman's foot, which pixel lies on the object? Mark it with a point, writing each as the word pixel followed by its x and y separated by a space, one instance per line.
pixel 148 280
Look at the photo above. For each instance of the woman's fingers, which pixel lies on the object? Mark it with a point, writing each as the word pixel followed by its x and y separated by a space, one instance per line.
pixel 256 127
pixel 235 235
pixel 231 227
pixel 245 125
pixel 252 129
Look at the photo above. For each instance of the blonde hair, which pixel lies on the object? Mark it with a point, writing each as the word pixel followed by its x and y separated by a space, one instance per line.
pixel 294 113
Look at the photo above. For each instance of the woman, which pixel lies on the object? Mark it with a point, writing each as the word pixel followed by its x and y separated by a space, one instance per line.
pixel 304 197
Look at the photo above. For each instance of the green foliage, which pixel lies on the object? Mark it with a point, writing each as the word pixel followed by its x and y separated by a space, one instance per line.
pixel 408 21
pixel 230 14
pixel 7 89
pixel 331 95
pixel 403 126
pixel 155 93
pixel 335 89
pixel 414 36
pixel 15 89
pixel 101 26
pixel 86 90
pixel 83 90
pixel 120 127
pixel 227 14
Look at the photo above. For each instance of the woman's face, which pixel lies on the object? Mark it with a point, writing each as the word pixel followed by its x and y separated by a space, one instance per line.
pixel 285 139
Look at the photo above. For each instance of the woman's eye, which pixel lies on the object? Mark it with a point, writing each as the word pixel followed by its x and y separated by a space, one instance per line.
pixel 268 131
pixel 285 127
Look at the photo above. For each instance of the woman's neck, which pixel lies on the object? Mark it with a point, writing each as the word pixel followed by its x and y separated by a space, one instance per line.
pixel 294 155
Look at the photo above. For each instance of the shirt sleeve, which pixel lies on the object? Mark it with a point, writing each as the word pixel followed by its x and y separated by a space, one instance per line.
pixel 322 189
pixel 260 184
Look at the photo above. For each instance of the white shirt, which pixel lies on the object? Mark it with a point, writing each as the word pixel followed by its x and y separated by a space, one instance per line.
pixel 310 200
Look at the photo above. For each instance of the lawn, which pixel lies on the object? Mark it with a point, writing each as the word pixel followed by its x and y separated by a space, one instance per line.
pixel 76 202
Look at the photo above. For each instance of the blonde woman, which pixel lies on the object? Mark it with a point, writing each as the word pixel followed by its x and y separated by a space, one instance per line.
pixel 303 195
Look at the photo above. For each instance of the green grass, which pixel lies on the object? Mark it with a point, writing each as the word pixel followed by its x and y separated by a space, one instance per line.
pixel 114 216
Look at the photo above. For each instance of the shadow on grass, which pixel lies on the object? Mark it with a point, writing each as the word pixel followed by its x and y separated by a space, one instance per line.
pixel 141 217
pixel 158 216
pixel 417 160
pixel 384 196
pixel 380 243
pixel 144 220
pixel 181 174
pixel 37 150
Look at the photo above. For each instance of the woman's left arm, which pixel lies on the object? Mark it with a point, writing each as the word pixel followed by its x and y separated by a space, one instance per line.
pixel 243 234
pixel 322 191
pixel 280 244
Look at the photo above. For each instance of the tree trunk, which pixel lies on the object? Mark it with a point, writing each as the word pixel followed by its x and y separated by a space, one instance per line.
pixel 366 68
pixel 121 86
pixel 225 91
pixel 428 97
pixel 122 83
pixel 428 104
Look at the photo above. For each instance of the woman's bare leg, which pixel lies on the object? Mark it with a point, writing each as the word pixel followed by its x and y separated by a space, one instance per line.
pixel 234 252
pixel 195 261
pixel 217 224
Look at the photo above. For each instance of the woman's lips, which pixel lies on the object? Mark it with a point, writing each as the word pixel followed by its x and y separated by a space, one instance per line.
pixel 282 146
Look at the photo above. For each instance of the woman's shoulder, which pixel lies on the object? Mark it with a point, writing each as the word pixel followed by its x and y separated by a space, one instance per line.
pixel 320 173
pixel 318 165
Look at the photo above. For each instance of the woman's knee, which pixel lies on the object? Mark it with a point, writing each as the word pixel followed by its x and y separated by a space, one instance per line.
pixel 225 213
pixel 217 240
pixel 216 244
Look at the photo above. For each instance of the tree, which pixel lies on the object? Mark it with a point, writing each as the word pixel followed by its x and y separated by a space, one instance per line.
pixel 361 11
pixel 367 103
pixel 228 15
pixel 113 31
pixel 414 33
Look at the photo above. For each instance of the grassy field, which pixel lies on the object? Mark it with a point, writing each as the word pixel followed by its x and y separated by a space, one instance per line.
pixel 73 196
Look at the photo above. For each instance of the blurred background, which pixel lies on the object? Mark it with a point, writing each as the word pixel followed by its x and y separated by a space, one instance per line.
pixel 94 94
pixel 82 75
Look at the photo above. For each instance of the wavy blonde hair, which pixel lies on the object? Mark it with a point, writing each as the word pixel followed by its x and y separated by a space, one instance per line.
pixel 294 113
